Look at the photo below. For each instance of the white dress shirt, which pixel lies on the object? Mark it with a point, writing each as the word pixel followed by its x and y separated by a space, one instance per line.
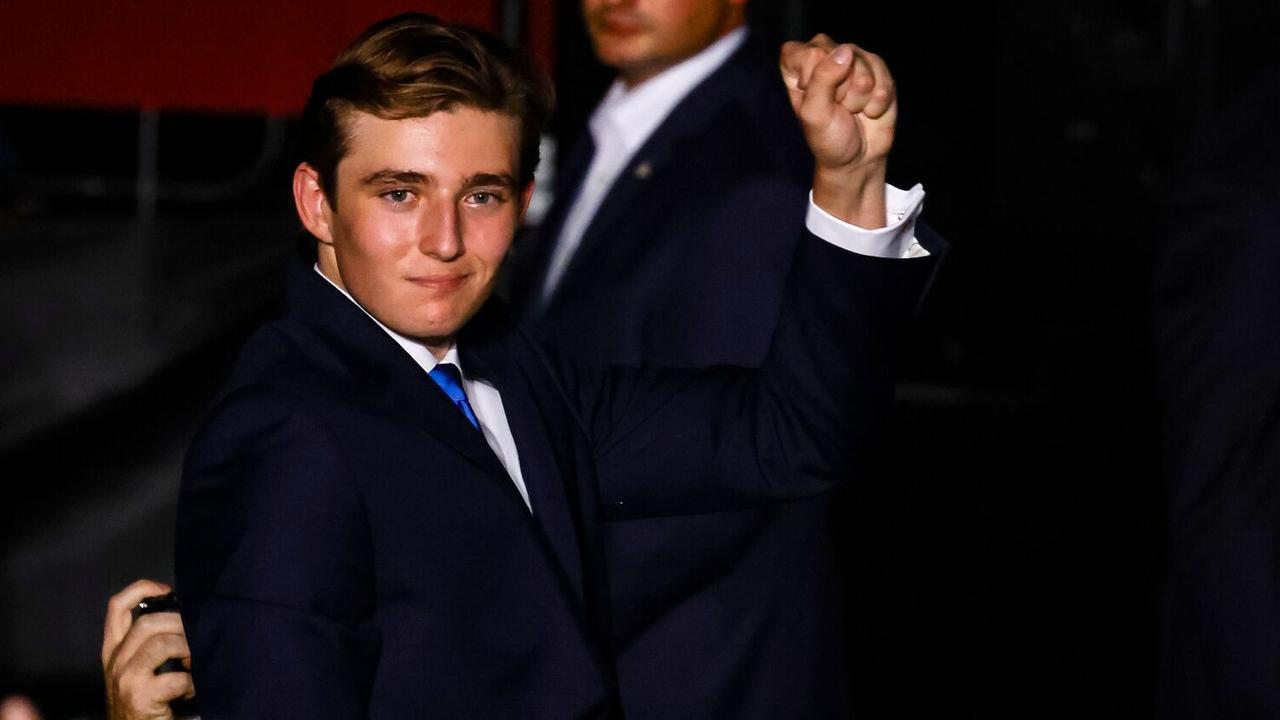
pixel 895 240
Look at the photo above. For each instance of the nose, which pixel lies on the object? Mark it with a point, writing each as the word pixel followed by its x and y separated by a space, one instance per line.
pixel 440 234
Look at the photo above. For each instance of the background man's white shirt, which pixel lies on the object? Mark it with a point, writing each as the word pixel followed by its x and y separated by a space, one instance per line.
pixel 620 124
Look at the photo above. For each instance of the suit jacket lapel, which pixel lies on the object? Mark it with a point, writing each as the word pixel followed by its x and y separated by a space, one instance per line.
pixel 533 272
pixel 387 376
pixel 491 358
pixel 687 119
pixel 351 345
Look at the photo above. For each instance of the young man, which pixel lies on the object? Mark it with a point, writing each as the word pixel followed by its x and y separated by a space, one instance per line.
pixel 394 510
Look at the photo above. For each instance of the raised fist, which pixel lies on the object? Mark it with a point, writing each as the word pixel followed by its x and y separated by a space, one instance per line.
pixel 845 99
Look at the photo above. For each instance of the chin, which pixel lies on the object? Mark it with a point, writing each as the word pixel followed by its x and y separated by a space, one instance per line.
pixel 432 329
pixel 617 51
pixel 442 325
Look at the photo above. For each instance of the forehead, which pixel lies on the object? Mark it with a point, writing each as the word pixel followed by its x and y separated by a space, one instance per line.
pixel 457 142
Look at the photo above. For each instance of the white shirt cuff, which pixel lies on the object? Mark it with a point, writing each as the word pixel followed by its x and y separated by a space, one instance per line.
pixel 895 240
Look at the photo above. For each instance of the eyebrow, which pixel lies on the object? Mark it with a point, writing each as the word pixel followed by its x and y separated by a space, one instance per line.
pixel 395 177
pixel 499 179
pixel 412 177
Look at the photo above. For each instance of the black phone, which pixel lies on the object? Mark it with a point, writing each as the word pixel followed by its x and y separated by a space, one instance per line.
pixel 160 603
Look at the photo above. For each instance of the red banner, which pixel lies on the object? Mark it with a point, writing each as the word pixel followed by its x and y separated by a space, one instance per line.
pixel 233 55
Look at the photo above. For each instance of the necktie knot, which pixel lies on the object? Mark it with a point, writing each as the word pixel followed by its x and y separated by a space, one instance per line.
pixel 449 378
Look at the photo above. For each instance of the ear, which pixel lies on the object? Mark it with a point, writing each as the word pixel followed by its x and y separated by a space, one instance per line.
pixel 312 204
pixel 526 194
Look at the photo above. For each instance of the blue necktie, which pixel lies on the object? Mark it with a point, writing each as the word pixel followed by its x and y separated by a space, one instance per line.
pixel 449 378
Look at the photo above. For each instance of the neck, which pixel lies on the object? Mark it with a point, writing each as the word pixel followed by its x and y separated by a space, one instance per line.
pixel 632 77
pixel 327 261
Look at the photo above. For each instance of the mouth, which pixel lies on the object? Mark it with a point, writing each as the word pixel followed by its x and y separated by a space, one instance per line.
pixel 620 22
pixel 443 283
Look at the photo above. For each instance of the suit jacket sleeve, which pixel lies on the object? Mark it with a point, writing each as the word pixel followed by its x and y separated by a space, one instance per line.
pixel 273 609
pixel 671 442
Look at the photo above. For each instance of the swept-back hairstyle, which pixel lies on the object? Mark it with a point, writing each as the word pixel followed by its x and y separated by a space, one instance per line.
pixel 413 65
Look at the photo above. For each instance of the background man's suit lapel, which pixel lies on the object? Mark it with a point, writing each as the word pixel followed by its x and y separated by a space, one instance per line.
pixel 688 119
pixel 532 271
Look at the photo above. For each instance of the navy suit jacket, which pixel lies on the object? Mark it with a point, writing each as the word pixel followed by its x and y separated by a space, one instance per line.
pixel 729 614
pixel 348 546
pixel 1216 314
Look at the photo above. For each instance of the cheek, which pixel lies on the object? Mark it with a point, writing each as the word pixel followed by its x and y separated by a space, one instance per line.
pixel 489 239
pixel 494 249
pixel 378 237
pixel 690 26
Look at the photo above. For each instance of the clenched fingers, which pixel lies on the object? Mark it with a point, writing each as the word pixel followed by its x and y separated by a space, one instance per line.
pixel 119 609
pixel 819 72
pixel 136 692
pixel 140 634
pixel 869 88
pixel 149 699
pixel 799 58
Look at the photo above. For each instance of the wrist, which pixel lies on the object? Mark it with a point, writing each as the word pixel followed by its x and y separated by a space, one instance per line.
pixel 855 196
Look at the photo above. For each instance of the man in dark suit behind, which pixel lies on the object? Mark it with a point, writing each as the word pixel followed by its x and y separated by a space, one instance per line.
pixel 358 539
pixel 668 244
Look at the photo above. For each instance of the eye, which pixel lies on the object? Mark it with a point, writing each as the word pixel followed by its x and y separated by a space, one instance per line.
pixel 485 197
pixel 399 196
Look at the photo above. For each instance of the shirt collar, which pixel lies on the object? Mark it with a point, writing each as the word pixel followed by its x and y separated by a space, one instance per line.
pixel 418 351
pixel 632 114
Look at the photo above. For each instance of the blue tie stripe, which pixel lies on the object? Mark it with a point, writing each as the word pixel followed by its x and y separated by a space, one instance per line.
pixel 449 378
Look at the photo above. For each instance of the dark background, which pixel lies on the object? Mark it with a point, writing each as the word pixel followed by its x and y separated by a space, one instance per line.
pixel 1009 562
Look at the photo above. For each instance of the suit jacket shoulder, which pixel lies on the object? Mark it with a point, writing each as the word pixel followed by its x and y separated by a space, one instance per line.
pixel 349 545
